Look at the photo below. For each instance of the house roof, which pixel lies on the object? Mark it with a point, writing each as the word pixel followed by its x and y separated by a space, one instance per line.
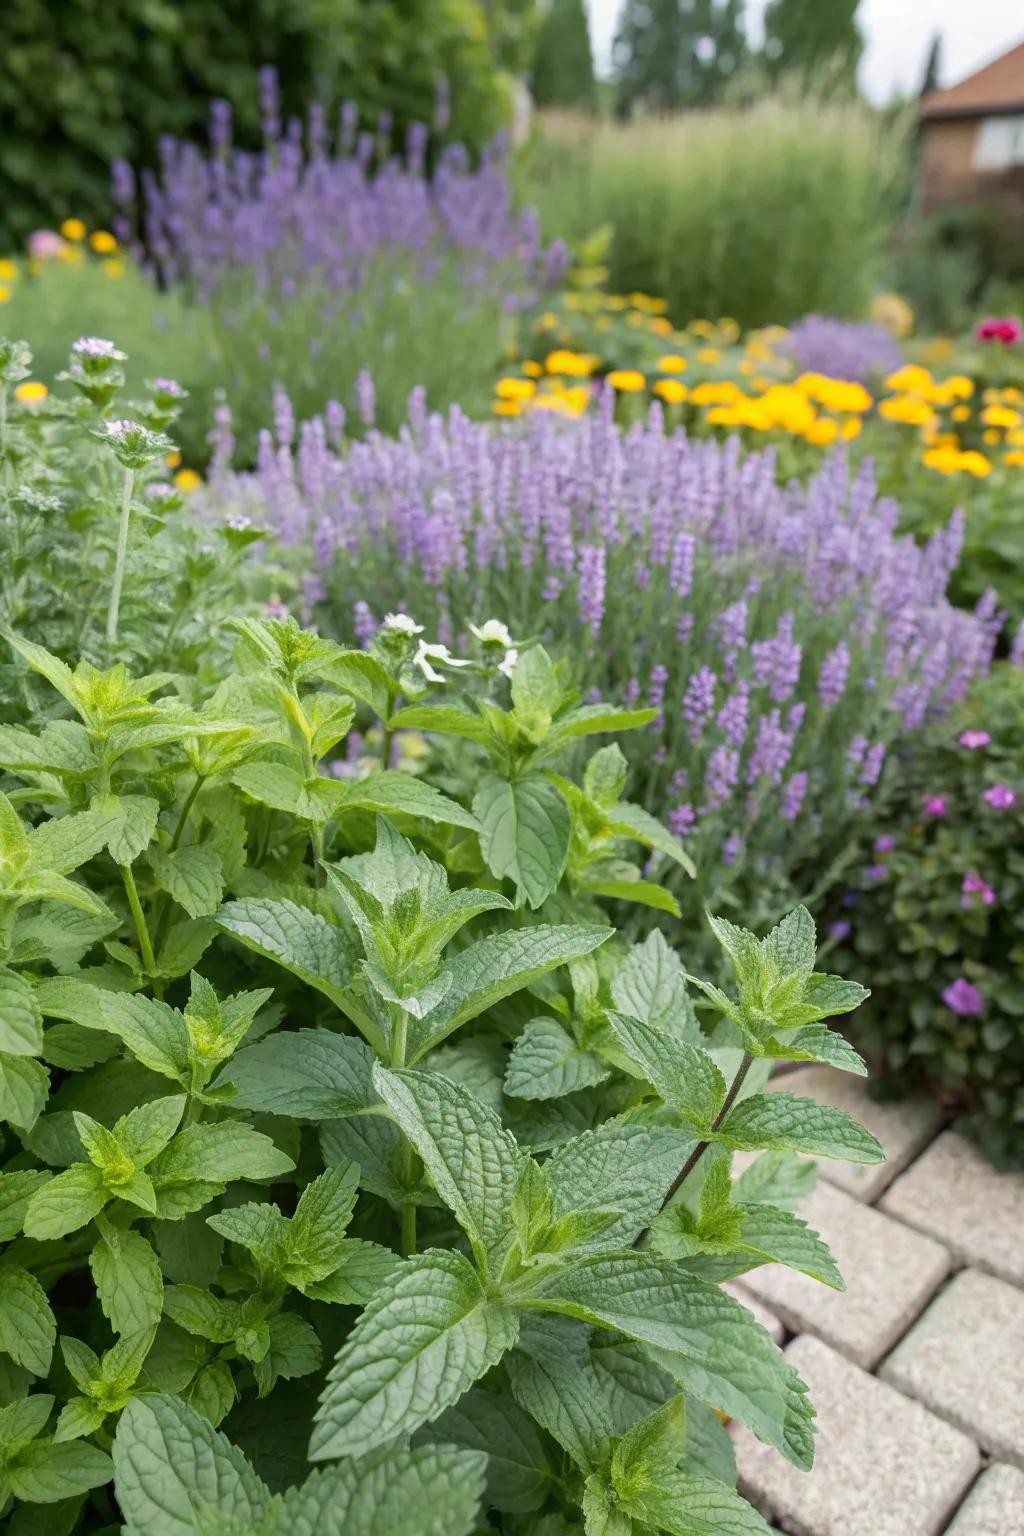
pixel 999 87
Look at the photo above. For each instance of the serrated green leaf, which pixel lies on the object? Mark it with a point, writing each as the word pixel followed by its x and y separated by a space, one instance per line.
pixel 154 1032
pixel 309 1074
pixel 27 1326
pixel 649 985
pixel 519 1469
pixel 217 1154
pixel 524 833
pixel 174 1473
pixel 21 1019
pixel 16 1189
pixel 192 876
pixel 133 822
pixel 684 1075
pixel 45 1473
pixel 814 1042
pixel 683 1505
pixel 546 1062
pixel 129 1285
pixel 393 792
pixel 642 893
pixel 552 1377
pixel 429 1491
pixel 621 1165
pixel 473 1162
pixel 777 1178
pixel 65 842
pixel 782 1122
pixel 628 820
pixel 444 719
pixel 68 1201
pixel 24 1085
pixel 316 951
pixel 430 1333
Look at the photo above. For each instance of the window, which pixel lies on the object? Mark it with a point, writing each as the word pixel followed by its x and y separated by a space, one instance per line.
pixel 999 143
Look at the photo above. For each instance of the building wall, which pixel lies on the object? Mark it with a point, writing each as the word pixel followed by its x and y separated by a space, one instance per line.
pixel 946 171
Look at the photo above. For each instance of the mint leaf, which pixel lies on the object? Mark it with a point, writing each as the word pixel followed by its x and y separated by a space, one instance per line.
pixel 193 876
pixel 27 1326
pixel 174 1473
pixel 524 833
pixel 16 1190
pixel 546 1062
pixel 66 1202
pixel 44 1473
pixel 390 791
pixel 429 1491
pixel 154 1032
pixel 129 1285
pixel 777 1178
pixel 683 1505
pixel 309 1074
pixel 780 1121
pixel 427 1336
pixel 24 1085
pixel 21 1020
pixel 633 821
pixel 519 1469
pixel 133 821
pixel 622 1165
pixel 314 950
pixel 684 1075
pixel 649 985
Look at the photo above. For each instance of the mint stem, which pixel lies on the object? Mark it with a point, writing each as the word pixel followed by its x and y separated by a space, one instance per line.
pixel 122 553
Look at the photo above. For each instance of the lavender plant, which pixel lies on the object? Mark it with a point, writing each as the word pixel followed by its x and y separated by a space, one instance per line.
pixel 843 349
pixel 786 637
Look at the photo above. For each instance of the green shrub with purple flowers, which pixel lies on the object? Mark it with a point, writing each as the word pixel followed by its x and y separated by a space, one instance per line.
pixel 935 915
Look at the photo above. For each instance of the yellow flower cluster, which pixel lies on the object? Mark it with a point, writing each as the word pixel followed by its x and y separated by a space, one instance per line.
pixel 939 409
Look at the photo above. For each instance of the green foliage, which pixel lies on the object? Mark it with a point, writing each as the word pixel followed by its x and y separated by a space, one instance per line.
pixel 802 37
pixel 725 212
pixel 563 64
pixel 669 56
pixel 360 1110
pixel 943 905
pixel 76 96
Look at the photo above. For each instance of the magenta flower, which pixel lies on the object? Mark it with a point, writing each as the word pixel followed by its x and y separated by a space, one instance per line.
pixel 974 885
pixel 935 805
pixel 963 997
pixel 885 843
pixel 974 739
pixel 1000 796
pixel 1008 330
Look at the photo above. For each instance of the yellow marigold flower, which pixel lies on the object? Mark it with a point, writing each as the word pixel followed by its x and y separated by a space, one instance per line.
pixel 894 313
pixel 961 413
pixel 73 229
pixel 1015 439
pixel 990 396
pixel 709 355
pixel 701 328
pixel 5 294
pixel 729 329
pixel 852 428
pixel 724 392
pixel 113 266
pixel 515 389
pixel 172 459
pixel 32 392
pixel 628 381
pixel 760 381
pixel 1015 458
pixel 660 326
pixel 639 300
pixel 975 463
pixel 990 437
pixel 672 391
pixel 812 384
pixel 8 270
pixel 723 416
pixel 187 481
pixel 532 370
pixel 576 399
pixel 758 349
pixel 905 408
pixel 911 379
pixel 103 242
pixel 575 364
pixel 505 407
pixel 946 440
pixel 1000 416
pixel 617 301
pixel 658 306
pixel 945 460
pixel 1012 395
pixel 822 431
pixel 960 386
pixel 672 363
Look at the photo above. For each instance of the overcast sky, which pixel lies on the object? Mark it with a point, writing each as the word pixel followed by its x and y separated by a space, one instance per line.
pixel 898 33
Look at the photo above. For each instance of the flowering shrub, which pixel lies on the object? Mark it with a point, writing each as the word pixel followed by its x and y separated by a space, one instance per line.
pixel 333 1103
pixel 843 349
pixel 759 623
pixel 938 915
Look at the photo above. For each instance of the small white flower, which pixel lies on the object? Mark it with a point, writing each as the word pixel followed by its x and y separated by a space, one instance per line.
pixel 404 623
pixel 508 666
pixel 97 346
pixel 427 653
pixel 494 632
pixel 121 429
pixel 239 522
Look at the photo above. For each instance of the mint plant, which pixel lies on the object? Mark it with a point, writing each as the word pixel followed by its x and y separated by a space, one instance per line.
pixel 334 1103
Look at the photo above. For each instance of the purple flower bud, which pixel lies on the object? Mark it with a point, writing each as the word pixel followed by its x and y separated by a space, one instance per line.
pixel 964 998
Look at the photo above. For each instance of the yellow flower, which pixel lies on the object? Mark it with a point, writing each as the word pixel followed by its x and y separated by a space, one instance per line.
pixel 975 463
pixel 822 431
pixel 532 370
pixel 1014 458
pixel 505 407
pixel 725 392
pixel 747 367
pixel 627 380
pixel 945 460
pixel 32 392
pixel 71 255
pixel 910 379
pixel 990 437
pixel 576 399
pixel 852 428
pixel 990 396
pixel 729 328
pixel 961 413
pixel 701 328
pixel 709 355
pixel 672 363
pixel 1000 416
pixel 960 386
pixel 575 364
pixel 617 301
pixel 8 270
pixel 907 409
pixel 172 459
pixel 1012 396
pixel 724 416
pixel 658 306
pixel 894 313
pixel 515 389
pixel 5 294
pixel 102 242
pixel 1015 439
pixel 73 229
pixel 187 481
pixel 672 391
pixel 113 266
pixel 660 326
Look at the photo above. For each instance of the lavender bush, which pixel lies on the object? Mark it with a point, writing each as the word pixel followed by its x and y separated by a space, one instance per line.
pixel 328 252
pixel 844 349
pixel 787 636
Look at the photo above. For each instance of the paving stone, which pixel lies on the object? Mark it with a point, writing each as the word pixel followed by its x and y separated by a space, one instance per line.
pixel 964 1360
pixel 767 1319
pixel 903 1128
pixel 891 1273
pixel 953 1193
pixel 884 1466
pixel 994 1506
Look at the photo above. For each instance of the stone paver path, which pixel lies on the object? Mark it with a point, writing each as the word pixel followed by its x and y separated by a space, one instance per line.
pixel 917 1369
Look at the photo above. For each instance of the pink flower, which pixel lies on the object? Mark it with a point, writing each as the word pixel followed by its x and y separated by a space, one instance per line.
pixel 973 739
pixel 875 872
pixel 1008 331
pixel 44 243
pixel 963 997
pixel 935 805
pixel 974 885
pixel 885 844
pixel 1000 796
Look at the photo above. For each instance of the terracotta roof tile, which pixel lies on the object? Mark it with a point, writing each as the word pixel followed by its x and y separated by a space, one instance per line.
pixel 1000 85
